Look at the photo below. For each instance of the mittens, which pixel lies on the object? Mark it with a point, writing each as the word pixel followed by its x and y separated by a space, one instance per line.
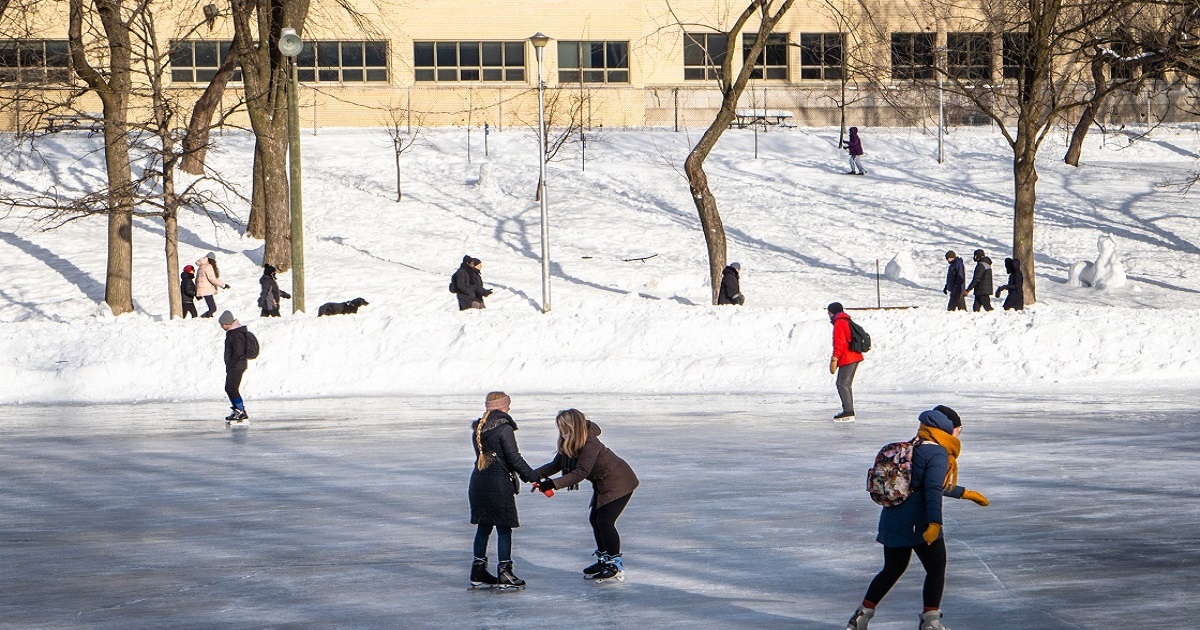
pixel 932 532
pixel 977 497
pixel 833 365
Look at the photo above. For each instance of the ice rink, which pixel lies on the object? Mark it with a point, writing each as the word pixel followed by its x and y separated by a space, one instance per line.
pixel 752 513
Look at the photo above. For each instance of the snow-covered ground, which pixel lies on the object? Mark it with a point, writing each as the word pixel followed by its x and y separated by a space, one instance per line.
pixel 806 235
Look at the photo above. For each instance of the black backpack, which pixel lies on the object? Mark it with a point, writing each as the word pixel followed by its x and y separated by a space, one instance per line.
pixel 860 341
pixel 252 347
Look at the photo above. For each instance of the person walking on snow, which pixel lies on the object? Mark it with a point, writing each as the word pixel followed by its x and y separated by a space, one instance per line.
pixel 981 282
pixel 915 526
pixel 492 490
pixel 1015 287
pixel 468 284
pixel 581 455
pixel 956 279
pixel 187 291
pixel 731 290
pixel 844 362
pixel 208 282
pixel 856 151
pixel 269 296
pixel 236 355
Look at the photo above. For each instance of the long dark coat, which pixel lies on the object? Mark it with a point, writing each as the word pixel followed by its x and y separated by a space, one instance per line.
pixel 731 290
pixel 468 285
pixel 981 279
pixel 956 276
pixel 491 489
pixel 611 476
pixel 1015 287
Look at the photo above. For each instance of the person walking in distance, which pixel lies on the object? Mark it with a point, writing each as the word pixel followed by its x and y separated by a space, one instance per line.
pixel 956 280
pixel 237 351
pixel 270 294
pixel 208 282
pixel 468 284
pixel 581 455
pixel 844 362
pixel 856 151
pixel 981 282
pixel 731 290
pixel 1015 300
pixel 493 490
pixel 187 291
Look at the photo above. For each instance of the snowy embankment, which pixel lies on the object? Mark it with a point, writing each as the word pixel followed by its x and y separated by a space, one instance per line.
pixel 805 234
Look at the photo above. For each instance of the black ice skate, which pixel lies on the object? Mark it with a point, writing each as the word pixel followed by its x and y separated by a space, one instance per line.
pixel 480 578
pixel 844 417
pixel 505 578
pixel 237 418
pixel 613 572
pixel 601 560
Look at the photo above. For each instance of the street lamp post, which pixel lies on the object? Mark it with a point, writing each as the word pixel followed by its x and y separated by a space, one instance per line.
pixel 539 42
pixel 291 45
pixel 941 105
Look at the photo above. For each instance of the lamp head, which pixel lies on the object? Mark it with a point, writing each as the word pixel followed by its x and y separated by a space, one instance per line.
pixel 289 42
pixel 539 40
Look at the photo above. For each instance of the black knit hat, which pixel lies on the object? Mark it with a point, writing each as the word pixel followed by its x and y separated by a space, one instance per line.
pixel 835 308
pixel 466 259
pixel 950 413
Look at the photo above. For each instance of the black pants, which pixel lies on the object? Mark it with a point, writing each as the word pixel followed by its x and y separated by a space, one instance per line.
pixel 189 307
pixel 604 525
pixel 233 385
pixel 895 561
pixel 270 312
pixel 958 302
pixel 211 302
pixel 983 301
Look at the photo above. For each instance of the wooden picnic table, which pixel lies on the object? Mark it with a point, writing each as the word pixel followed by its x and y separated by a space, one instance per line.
pixel 744 118
pixel 92 123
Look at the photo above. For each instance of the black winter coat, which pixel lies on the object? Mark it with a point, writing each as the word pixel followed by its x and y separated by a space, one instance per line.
pixel 981 280
pixel 235 349
pixel 491 489
pixel 956 276
pixel 187 287
pixel 731 290
pixel 269 295
pixel 1015 287
pixel 468 285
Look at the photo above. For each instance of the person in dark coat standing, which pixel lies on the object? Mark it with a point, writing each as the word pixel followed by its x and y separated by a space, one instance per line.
pixel 844 362
pixel 1015 287
pixel 981 282
pixel 187 291
pixel 731 290
pixel 915 526
pixel 269 296
pixel 956 280
pixel 856 151
pixel 492 490
pixel 235 365
pixel 468 284
pixel 581 455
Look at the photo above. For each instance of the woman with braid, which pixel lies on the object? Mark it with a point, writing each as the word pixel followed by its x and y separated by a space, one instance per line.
pixel 915 526
pixel 493 490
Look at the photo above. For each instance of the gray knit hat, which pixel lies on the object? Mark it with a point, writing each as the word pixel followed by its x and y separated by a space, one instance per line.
pixel 226 318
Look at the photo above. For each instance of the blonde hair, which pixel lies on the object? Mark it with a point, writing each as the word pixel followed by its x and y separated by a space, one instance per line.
pixel 572 431
pixel 484 459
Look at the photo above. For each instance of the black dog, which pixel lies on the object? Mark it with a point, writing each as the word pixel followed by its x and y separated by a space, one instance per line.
pixel 341 308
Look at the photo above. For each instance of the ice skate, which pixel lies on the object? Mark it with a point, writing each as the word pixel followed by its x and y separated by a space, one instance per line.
pixel 932 620
pixel 480 578
pixel 237 418
pixel 613 571
pixel 861 618
pixel 597 567
pixel 844 417
pixel 505 578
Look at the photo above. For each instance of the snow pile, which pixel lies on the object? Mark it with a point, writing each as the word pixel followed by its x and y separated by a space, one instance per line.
pixel 902 267
pixel 1106 272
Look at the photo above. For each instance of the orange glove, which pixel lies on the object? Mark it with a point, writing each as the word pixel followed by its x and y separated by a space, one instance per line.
pixel 833 365
pixel 932 532
pixel 977 497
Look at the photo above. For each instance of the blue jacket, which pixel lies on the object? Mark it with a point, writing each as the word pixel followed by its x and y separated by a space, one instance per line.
pixel 903 525
pixel 956 276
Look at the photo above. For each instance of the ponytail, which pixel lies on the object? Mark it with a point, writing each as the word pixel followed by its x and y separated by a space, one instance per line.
pixel 482 461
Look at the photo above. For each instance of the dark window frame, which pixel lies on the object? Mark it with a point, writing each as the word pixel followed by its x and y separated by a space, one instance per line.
pixel 608 61
pixel 1014 55
pixel 28 61
pixel 703 45
pixel 191 72
pixel 327 61
pixel 469 61
pixel 913 55
pixel 969 56
pixel 768 64
pixel 821 58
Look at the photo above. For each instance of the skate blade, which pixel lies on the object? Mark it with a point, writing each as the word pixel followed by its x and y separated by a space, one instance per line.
pixel 480 587
pixel 616 579
pixel 509 587
pixel 846 419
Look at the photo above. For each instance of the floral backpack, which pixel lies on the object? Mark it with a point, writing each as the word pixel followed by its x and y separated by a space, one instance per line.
pixel 889 480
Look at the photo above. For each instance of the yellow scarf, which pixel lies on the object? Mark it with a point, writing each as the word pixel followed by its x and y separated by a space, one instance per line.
pixel 952 445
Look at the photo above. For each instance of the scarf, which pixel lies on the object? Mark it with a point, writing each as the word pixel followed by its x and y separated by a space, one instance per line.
pixel 952 445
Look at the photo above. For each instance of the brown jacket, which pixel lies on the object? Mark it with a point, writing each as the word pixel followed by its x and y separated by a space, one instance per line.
pixel 611 477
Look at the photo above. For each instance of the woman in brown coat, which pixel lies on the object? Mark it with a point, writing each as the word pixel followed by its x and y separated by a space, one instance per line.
pixel 581 455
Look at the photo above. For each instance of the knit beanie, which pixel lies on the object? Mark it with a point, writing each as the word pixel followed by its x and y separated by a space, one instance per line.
pixel 226 318
pixel 950 413
pixel 937 420
pixel 736 266
pixel 496 404
pixel 210 256
pixel 835 308
pixel 467 259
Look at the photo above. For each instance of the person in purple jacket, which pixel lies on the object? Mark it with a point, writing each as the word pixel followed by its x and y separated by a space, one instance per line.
pixel 856 151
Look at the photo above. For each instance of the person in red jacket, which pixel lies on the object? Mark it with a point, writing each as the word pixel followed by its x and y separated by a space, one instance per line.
pixel 844 361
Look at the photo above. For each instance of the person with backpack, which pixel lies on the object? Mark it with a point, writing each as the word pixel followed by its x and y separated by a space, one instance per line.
pixel 493 490
pixel 187 291
pixel 268 298
pixel 914 524
pixel 981 282
pixel 240 345
pixel 1015 287
pixel 856 151
pixel 956 279
pixel 731 290
pixel 467 284
pixel 208 282
pixel 844 362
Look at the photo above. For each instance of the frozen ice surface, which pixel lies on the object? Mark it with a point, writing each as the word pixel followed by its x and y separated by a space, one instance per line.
pixel 352 513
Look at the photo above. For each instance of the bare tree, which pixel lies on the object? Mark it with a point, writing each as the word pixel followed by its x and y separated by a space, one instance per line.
pixel 403 135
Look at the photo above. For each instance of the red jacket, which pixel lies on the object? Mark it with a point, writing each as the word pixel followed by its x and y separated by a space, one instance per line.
pixel 841 341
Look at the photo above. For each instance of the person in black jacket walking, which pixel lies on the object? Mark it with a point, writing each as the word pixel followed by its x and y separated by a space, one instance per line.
pixel 981 282
pixel 956 279
pixel 269 296
pixel 187 291
pixel 1015 287
pixel 731 290
pixel 493 489
pixel 235 365
pixel 468 284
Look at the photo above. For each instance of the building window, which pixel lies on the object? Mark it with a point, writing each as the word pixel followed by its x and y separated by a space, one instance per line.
pixel 469 61
pixel 969 56
pixel 703 54
pixel 913 55
pixel 773 60
pixel 593 62
pixel 347 62
pixel 34 61
pixel 198 61
pixel 1014 54
pixel 821 55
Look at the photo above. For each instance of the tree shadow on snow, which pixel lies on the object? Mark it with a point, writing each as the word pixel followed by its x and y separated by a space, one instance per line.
pixel 91 288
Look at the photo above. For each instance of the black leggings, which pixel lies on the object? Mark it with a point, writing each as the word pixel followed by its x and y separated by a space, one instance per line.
pixel 604 525
pixel 233 385
pixel 895 561
pixel 211 303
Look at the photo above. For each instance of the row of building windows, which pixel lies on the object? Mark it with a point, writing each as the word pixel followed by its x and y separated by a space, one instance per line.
pixel 968 57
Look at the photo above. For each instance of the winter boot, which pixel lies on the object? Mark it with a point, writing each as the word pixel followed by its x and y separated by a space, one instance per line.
pixel 932 620
pixel 612 571
pixel 597 567
pixel 861 618
pixel 480 576
pixel 233 415
pixel 505 577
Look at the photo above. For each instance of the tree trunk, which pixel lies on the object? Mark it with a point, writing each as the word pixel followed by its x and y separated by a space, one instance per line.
pixel 118 284
pixel 1025 202
pixel 171 229
pixel 195 141
pixel 399 190
pixel 277 215
pixel 1099 84
pixel 710 219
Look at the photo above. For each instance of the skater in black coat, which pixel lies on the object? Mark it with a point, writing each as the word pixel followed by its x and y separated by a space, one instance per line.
pixel 981 282
pixel 731 290
pixel 269 296
pixel 493 490
pixel 1015 287
pixel 236 354
pixel 187 291
pixel 468 284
